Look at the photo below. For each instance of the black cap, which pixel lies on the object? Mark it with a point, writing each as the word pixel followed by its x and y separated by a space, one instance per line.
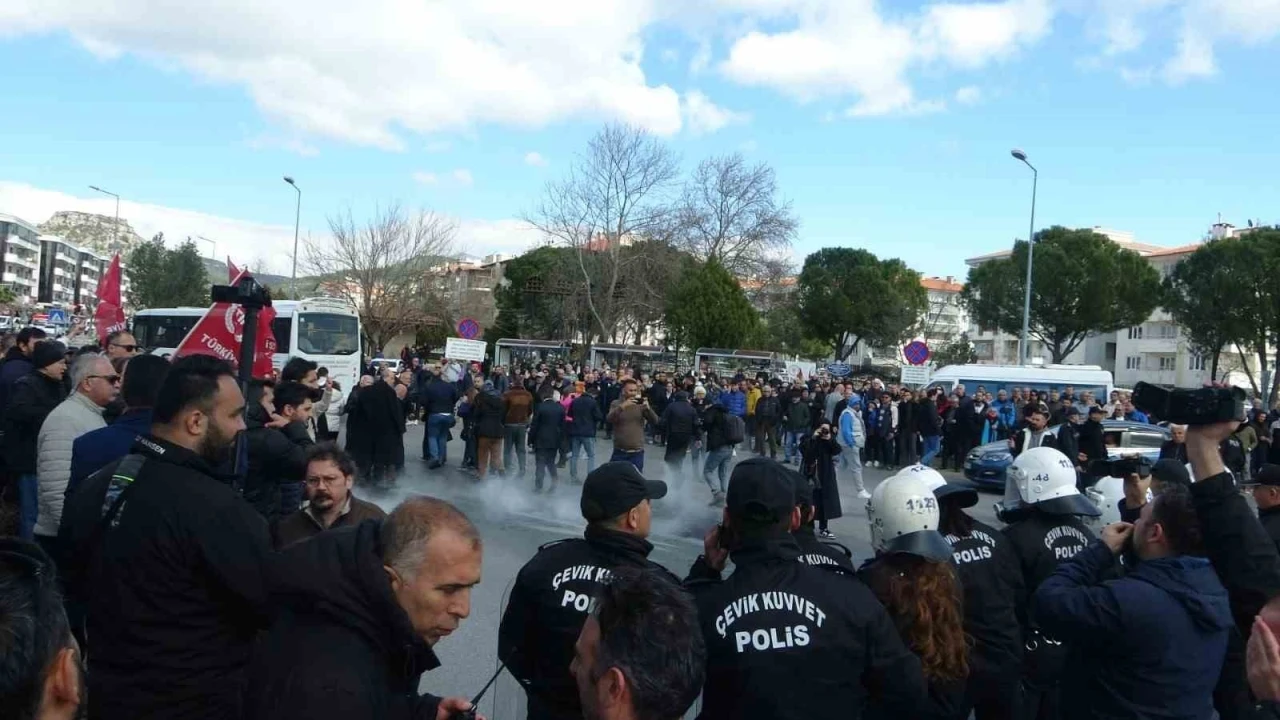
pixel 802 487
pixel 616 487
pixel 1071 411
pixel 1174 472
pixel 760 489
pixel 1097 409
pixel 1268 474
pixel 47 352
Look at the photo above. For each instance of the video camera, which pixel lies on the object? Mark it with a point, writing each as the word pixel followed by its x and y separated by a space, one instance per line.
pixel 1204 406
pixel 1121 467
pixel 248 293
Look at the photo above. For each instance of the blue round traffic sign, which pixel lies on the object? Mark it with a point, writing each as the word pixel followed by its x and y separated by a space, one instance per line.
pixel 839 369
pixel 468 329
pixel 916 352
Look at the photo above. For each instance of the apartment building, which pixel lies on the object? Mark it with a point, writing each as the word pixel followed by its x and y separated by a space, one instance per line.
pixel 1155 351
pixel 19 258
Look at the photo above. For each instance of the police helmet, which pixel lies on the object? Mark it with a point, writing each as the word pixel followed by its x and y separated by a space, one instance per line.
pixel 903 514
pixel 1045 478
pixel 965 495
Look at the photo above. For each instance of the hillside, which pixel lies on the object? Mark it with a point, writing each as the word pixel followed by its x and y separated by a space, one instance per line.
pixel 98 233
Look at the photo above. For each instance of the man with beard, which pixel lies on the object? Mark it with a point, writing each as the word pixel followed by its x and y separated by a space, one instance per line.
pixel 41 667
pixel 173 558
pixel 330 502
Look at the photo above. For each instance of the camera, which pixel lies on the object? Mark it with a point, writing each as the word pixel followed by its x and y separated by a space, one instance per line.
pixel 1121 467
pixel 248 293
pixel 1204 406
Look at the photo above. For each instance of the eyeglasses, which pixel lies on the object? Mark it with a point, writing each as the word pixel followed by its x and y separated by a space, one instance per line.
pixel 326 480
pixel 126 348
pixel 113 379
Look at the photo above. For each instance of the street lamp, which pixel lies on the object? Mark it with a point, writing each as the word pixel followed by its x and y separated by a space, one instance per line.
pixel 115 230
pixel 1024 344
pixel 297 216
pixel 213 247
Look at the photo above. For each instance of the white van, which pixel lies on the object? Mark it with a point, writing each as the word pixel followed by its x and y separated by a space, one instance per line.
pixel 994 378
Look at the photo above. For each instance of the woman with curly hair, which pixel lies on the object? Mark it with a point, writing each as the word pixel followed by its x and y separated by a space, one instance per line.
pixel 913 578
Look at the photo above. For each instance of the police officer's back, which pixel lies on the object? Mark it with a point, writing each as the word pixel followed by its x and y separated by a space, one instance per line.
pixel 553 593
pixel 1044 530
pixel 813 551
pixel 786 639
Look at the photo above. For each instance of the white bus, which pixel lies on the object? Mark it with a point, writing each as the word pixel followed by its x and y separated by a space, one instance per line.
pixel 994 378
pixel 324 330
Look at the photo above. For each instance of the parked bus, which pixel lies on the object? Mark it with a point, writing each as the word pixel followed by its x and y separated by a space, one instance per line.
pixel 1081 378
pixel 324 330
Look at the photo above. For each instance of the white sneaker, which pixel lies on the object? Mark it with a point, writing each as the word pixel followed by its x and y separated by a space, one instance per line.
pixel 864 495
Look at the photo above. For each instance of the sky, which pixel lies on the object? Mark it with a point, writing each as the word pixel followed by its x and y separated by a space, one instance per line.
pixel 889 124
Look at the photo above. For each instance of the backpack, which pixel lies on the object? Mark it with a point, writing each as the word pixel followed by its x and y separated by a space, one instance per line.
pixel 105 491
pixel 735 430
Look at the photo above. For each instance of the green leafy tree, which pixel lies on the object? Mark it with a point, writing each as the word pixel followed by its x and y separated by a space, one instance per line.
pixel 1256 258
pixel 538 291
pixel 707 308
pixel 781 330
pixel 7 296
pixel 1204 295
pixel 846 296
pixel 163 277
pixel 957 352
pixel 1082 284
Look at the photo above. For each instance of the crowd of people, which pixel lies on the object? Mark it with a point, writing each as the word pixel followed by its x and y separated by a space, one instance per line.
pixel 183 548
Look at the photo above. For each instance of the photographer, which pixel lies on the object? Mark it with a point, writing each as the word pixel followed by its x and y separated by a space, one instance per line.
pixel 1240 550
pixel 818 454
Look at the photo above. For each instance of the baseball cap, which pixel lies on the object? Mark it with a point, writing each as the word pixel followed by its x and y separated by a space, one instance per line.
pixel 1268 474
pixel 760 489
pixel 1174 472
pixel 616 487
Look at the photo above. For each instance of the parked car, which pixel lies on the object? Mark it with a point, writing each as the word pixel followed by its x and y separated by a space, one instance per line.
pixel 985 465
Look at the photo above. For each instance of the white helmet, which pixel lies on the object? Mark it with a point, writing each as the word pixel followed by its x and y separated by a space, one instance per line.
pixel 903 514
pixel 1045 478
pixel 1106 494
pixel 964 493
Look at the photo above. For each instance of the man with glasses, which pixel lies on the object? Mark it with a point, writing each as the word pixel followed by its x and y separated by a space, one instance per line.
pixel 94 385
pixel 121 344
pixel 42 669
pixel 330 502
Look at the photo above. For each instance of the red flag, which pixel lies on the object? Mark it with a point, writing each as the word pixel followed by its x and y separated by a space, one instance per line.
pixel 233 272
pixel 109 315
pixel 220 331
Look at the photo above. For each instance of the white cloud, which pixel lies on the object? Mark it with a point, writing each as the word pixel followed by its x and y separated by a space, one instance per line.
pixel 426 178
pixel 705 116
pixel 535 159
pixel 245 241
pixel 969 95
pixel 838 48
pixel 439 146
pixel 266 141
pixel 370 72
pixel 462 177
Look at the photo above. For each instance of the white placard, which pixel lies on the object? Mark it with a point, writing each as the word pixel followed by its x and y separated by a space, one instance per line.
pixel 468 350
pixel 801 371
pixel 916 374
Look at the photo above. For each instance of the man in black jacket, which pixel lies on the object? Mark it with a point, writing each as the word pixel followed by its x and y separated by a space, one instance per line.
pixel 768 417
pixel 545 433
pixel 1266 495
pixel 32 398
pixel 17 361
pixel 362 608
pixel 553 594
pixel 277 448
pixel 175 581
pixel 812 550
pixel 786 639
pixel 587 416
pixel 680 425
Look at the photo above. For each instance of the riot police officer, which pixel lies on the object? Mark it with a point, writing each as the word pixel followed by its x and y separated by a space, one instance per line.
pixel 1044 529
pixel 991 580
pixel 553 592
pixel 786 639
pixel 913 575
pixel 812 550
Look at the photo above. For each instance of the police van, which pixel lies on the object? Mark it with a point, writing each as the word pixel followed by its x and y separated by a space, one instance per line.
pixel 1042 378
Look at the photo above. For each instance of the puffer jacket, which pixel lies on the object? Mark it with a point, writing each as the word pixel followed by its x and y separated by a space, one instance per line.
pixel 735 402
pixel 73 417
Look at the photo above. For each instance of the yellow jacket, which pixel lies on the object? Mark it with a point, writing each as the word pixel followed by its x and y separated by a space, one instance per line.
pixel 753 397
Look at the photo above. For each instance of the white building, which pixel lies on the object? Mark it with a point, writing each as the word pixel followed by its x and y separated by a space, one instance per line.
pixel 1155 351
pixel 19 258
pixel 944 320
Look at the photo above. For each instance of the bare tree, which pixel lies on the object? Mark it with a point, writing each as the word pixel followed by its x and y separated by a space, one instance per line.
pixel 772 285
pixel 617 194
pixel 381 265
pixel 731 212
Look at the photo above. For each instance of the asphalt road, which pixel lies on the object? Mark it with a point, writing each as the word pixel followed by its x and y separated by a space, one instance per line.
pixel 514 523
